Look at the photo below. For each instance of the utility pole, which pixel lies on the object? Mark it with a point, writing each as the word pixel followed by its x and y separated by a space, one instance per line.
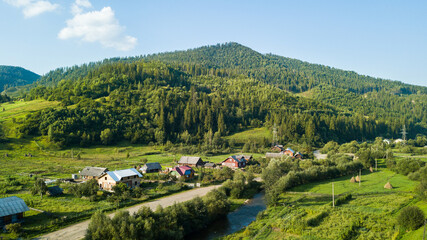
pixel 274 142
pixel 333 196
pixel 404 134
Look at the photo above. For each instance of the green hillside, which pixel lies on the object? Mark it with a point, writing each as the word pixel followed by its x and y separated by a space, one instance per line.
pixel 201 95
pixel 15 76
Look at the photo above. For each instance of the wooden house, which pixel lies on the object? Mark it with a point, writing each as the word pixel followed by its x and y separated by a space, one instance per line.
pixel 151 167
pixel 191 161
pixel 12 210
pixel 131 177
pixel 210 165
pixel 92 172
pixel 235 161
pixel 277 148
pixel 184 172
pixel 289 152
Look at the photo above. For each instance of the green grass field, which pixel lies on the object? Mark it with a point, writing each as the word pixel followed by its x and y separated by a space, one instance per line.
pixel 371 182
pixel 19 109
pixel 254 134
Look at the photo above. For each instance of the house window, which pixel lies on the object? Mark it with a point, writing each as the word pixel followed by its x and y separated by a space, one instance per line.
pixel 105 178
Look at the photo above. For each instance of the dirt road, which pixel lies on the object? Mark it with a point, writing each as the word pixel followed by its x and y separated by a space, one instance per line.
pixel 77 231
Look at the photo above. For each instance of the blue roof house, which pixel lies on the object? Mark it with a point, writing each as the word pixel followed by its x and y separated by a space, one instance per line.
pixel 12 210
pixel 131 177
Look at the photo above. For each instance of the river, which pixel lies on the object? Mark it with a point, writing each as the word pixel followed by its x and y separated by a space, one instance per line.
pixel 234 221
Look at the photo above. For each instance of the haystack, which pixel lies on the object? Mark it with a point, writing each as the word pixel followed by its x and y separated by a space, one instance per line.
pixel 371 169
pixel 352 180
pixel 357 179
pixel 388 185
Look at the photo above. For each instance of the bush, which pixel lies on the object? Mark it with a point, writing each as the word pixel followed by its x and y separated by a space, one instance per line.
pixel 411 218
pixel 13 228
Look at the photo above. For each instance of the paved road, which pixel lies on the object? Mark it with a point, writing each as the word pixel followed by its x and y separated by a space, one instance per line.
pixel 78 231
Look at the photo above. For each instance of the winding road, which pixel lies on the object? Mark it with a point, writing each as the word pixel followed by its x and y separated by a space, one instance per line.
pixel 78 231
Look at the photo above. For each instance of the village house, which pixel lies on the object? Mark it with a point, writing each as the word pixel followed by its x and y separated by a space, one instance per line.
pixel 247 157
pixel 184 172
pixel 151 167
pixel 191 161
pixel 12 210
pixel 131 177
pixel 278 148
pixel 235 161
pixel 92 172
pixel 289 152
pixel 210 165
pixel 298 155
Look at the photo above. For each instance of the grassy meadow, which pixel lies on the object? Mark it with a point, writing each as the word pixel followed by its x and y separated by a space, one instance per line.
pixel 306 212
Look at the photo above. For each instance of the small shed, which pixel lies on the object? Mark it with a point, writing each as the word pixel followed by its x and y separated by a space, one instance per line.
pixel 12 210
pixel 151 167
pixel 210 165
pixel 55 191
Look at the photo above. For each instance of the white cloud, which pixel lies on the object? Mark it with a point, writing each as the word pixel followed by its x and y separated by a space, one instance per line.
pixel 96 26
pixel 32 8
pixel 78 6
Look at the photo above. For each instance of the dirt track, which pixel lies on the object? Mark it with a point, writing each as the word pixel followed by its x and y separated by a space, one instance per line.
pixel 77 231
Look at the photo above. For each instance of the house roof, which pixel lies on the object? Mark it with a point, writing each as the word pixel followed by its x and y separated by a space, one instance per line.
pixel 274 155
pixel 210 164
pixel 181 170
pixel 290 149
pixel 93 171
pixel 12 205
pixel 238 158
pixel 189 160
pixel 55 190
pixel 298 153
pixel 150 166
pixel 119 174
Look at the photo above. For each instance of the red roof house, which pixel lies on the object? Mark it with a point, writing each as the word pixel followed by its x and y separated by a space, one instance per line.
pixel 185 172
pixel 235 161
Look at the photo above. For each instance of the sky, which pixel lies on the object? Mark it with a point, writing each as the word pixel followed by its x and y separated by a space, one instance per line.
pixel 381 38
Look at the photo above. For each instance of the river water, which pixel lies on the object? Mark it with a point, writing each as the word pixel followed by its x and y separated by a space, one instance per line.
pixel 234 221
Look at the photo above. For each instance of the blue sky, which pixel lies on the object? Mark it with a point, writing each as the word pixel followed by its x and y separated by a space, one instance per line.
pixel 382 38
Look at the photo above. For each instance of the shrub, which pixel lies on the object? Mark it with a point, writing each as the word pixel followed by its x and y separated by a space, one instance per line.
pixel 411 218
pixel 14 228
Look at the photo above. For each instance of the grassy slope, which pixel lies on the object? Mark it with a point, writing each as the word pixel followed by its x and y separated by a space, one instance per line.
pixel 254 134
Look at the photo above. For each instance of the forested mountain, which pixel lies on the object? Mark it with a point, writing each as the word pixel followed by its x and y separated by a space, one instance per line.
pixel 15 76
pixel 198 96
